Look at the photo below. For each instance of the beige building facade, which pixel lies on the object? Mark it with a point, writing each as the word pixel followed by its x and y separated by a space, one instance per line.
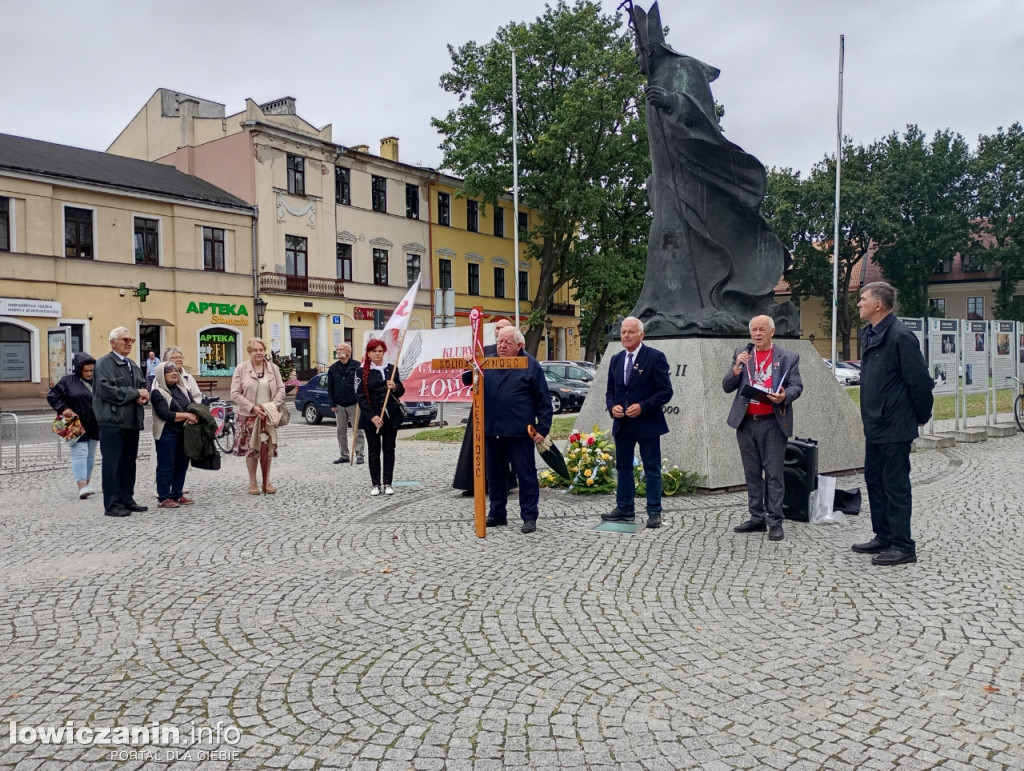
pixel 89 242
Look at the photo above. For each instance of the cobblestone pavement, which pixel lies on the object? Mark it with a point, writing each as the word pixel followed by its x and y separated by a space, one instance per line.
pixel 334 630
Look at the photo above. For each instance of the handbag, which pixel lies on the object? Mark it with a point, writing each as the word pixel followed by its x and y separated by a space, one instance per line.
pixel 68 429
pixel 286 416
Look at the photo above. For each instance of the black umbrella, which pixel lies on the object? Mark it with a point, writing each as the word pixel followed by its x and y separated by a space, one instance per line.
pixel 551 454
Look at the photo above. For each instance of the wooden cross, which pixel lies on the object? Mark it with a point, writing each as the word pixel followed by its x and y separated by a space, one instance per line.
pixel 492 362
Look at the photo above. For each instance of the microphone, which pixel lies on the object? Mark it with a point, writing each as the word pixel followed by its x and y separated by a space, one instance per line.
pixel 750 348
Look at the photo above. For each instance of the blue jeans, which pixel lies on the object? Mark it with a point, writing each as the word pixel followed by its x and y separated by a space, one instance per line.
pixel 171 465
pixel 650 456
pixel 83 457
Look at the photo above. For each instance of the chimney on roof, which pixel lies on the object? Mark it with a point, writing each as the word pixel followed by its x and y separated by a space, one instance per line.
pixel 361 148
pixel 283 106
pixel 389 148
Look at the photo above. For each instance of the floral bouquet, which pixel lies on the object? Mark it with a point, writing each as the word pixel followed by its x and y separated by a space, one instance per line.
pixel 674 481
pixel 68 429
pixel 591 462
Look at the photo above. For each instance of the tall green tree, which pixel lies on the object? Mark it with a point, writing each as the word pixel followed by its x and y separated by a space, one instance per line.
pixel 926 189
pixel 998 226
pixel 579 96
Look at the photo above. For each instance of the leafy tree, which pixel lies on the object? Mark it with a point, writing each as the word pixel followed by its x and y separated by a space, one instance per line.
pixel 926 189
pixel 999 173
pixel 579 98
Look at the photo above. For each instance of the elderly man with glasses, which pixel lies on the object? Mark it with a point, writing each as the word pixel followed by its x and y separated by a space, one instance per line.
pixel 118 401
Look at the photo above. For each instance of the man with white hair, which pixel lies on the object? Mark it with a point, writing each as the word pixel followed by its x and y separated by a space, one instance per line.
pixel 118 400
pixel 638 387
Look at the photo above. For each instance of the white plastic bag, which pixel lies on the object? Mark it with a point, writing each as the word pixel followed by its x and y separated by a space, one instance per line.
pixel 821 512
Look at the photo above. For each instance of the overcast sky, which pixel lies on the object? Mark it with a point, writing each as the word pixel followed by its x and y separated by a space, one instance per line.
pixel 76 73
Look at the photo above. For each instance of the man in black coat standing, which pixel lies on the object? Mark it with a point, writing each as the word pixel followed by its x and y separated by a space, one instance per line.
pixel 341 390
pixel 119 400
pixel 638 387
pixel 895 400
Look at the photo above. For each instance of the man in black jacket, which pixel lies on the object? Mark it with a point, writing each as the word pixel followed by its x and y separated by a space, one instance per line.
pixel 119 402
pixel 895 400
pixel 341 391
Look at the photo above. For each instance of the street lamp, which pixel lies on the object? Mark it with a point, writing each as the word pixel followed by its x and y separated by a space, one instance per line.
pixel 261 312
pixel 547 325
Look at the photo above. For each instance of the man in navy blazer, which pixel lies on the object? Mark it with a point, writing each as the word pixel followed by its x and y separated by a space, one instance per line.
pixel 638 387
pixel 763 424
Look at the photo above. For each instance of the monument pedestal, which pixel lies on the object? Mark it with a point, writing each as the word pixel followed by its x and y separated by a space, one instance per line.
pixel 700 440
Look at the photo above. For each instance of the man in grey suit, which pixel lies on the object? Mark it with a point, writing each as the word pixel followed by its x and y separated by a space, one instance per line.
pixel 764 423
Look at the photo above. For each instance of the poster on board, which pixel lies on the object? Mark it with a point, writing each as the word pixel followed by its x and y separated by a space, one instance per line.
pixel 975 347
pixel 943 335
pixel 1004 355
pixel 917 327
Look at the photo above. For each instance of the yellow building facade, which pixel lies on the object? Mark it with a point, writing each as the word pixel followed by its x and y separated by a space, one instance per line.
pixel 89 242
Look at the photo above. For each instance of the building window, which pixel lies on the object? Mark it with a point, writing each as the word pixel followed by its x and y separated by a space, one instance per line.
pixel 342 185
pixel 5 224
pixel 380 267
pixel 295 256
pixel 472 216
pixel 412 202
pixel 937 307
pixel 213 249
pixel 345 262
pixel 78 232
pixel 972 263
pixel 379 190
pixel 499 222
pixel 524 224
pixel 218 352
pixel 941 266
pixel 147 241
pixel 296 175
pixel 499 282
pixel 16 362
pixel 975 308
pixel 444 209
pixel 524 285
pixel 412 268
pixel 444 274
pixel 474 278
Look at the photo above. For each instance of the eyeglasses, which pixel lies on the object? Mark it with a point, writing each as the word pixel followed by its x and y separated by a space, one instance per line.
pixel 126 339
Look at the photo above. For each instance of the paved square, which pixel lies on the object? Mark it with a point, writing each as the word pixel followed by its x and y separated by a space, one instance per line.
pixel 322 628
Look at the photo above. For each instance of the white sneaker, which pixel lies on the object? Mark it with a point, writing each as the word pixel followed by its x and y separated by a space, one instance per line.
pixel 85 492
pixel 389 490
pixel 375 491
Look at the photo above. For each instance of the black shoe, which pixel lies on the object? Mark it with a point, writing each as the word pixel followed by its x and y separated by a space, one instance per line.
pixel 654 520
pixel 495 522
pixel 133 506
pixel 117 511
pixel 529 526
pixel 618 515
pixel 467 493
pixel 775 533
pixel 874 546
pixel 359 460
pixel 341 460
pixel 751 526
pixel 894 557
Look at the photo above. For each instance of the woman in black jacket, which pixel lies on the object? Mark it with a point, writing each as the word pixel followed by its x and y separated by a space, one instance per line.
pixel 170 401
pixel 72 396
pixel 377 380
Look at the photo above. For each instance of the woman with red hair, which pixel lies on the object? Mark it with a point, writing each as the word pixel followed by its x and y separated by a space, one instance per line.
pixel 380 421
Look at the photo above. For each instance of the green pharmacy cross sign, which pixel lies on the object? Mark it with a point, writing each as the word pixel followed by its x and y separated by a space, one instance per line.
pixel 142 292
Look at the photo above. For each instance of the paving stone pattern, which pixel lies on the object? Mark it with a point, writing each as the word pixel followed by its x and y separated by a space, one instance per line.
pixel 335 630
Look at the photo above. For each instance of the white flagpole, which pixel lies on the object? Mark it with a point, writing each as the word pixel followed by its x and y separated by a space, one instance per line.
pixel 835 242
pixel 515 182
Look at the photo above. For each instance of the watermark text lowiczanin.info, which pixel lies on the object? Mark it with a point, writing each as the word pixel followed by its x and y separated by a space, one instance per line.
pixel 145 735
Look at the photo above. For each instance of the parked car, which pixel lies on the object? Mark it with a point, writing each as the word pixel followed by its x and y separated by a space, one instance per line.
pixel 845 374
pixel 312 403
pixel 571 371
pixel 854 364
pixel 565 395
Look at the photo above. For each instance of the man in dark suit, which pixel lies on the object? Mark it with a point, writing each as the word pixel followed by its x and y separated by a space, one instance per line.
pixel 119 399
pixel 764 424
pixel 638 387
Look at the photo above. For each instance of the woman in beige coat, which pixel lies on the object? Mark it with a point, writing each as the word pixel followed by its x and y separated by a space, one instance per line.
pixel 255 383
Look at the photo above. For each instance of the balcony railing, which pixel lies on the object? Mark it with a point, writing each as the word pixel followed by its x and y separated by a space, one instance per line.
pixel 562 309
pixel 286 283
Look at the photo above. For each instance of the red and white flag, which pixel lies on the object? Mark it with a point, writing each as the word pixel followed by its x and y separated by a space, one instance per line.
pixel 398 323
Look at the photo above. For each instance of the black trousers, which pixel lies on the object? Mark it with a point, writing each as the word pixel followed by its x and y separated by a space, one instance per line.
pixel 382 443
pixel 887 477
pixel 119 448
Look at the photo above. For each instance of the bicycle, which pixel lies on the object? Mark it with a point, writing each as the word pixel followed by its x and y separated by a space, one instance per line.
pixel 1018 403
pixel 224 413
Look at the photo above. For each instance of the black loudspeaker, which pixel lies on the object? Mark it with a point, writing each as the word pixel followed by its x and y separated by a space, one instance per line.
pixel 801 477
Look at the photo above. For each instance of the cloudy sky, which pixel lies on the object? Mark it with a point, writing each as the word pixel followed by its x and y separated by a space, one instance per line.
pixel 76 73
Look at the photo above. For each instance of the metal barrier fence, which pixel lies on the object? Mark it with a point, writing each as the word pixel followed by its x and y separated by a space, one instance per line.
pixel 46 458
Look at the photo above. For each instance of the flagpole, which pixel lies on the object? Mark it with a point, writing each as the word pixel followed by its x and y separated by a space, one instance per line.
pixel 835 236
pixel 515 182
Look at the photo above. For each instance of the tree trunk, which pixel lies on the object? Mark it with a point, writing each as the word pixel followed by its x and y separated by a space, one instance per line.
pixel 600 314
pixel 550 260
